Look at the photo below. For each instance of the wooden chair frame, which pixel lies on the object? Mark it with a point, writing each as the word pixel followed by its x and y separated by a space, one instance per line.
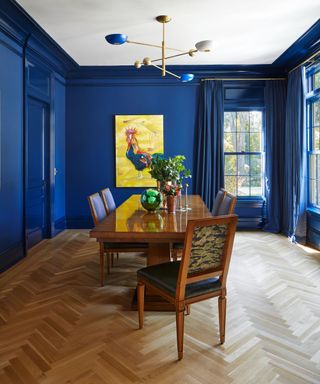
pixel 175 252
pixel 233 201
pixel 179 300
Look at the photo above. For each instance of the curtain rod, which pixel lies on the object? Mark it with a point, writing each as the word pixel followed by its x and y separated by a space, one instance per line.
pixel 304 62
pixel 245 79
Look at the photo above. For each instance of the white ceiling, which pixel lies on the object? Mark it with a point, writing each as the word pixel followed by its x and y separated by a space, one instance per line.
pixel 243 32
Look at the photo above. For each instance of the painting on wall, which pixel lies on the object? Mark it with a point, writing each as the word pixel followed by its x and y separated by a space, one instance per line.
pixel 138 138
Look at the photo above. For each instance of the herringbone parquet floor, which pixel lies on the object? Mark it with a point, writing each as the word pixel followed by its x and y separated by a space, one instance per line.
pixel 58 326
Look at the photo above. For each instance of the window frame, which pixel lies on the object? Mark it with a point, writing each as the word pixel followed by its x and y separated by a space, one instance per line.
pixel 262 152
pixel 313 95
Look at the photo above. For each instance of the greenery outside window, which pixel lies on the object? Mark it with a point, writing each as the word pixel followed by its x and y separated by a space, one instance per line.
pixel 243 153
pixel 313 125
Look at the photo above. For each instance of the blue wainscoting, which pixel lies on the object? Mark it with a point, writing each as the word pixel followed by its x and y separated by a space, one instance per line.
pixel 313 228
pixel 252 212
pixel 11 150
pixel 20 39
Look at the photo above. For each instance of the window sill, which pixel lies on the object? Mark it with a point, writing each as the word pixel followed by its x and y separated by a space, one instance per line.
pixel 251 198
pixel 314 211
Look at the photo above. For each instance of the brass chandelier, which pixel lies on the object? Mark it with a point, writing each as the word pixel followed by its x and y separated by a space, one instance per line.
pixel 201 46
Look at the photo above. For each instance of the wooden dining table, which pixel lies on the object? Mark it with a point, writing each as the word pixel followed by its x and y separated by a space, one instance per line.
pixel 130 222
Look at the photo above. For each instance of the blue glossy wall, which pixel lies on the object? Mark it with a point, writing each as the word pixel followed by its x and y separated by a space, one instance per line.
pixel 11 141
pixel 59 113
pixel 31 65
pixel 91 108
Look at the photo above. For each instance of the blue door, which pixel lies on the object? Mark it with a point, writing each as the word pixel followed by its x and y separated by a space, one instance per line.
pixel 37 140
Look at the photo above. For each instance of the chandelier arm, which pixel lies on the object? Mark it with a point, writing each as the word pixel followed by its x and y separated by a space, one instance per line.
pixel 163 51
pixel 153 45
pixel 170 73
pixel 177 55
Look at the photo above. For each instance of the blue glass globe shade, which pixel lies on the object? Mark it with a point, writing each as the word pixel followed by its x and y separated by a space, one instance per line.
pixel 116 38
pixel 186 77
pixel 151 199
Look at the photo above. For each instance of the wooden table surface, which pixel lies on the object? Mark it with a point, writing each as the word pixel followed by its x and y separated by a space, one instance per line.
pixel 131 222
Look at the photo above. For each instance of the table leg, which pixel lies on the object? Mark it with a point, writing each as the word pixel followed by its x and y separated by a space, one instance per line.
pixel 158 253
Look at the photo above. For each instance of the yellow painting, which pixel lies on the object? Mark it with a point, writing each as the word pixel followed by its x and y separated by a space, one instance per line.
pixel 138 138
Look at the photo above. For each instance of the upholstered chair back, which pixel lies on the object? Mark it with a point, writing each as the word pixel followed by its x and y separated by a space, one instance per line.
pixel 227 206
pixel 108 200
pixel 97 208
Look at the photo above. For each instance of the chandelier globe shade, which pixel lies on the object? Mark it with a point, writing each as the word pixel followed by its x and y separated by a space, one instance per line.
pixel 160 63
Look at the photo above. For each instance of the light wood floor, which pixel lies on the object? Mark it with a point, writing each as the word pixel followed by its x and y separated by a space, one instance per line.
pixel 58 326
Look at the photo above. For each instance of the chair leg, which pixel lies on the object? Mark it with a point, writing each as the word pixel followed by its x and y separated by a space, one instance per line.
pixel 112 260
pixel 188 307
pixel 108 263
pixel 140 298
pixel 222 302
pixel 174 255
pixel 101 265
pixel 180 331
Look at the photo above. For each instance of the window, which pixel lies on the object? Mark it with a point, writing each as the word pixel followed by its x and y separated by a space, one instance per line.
pixel 243 153
pixel 313 124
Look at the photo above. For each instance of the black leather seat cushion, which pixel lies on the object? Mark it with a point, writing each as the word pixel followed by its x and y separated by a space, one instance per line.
pixel 165 276
pixel 125 245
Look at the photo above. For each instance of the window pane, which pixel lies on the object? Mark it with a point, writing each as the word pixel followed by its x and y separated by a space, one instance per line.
pixel 230 120
pixel 316 113
pixel 230 165
pixel 243 186
pixel 255 142
pixel 230 142
pixel 312 191
pixel 256 186
pixel 315 139
pixel 312 166
pixel 242 136
pixel 255 165
pixel 243 124
pixel 230 184
pixel 317 80
pixel 255 121
pixel 243 144
pixel 243 164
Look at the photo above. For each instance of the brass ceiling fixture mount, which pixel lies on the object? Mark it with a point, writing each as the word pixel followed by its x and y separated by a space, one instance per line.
pixel 201 46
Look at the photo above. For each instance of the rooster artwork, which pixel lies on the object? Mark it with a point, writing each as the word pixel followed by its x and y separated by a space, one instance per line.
pixel 138 139
pixel 138 158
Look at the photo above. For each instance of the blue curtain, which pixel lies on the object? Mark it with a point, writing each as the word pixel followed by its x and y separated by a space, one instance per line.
pixel 295 182
pixel 209 156
pixel 275 102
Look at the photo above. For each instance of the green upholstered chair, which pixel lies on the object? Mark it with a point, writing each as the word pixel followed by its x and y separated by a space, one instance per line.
pixel 201 274
pixel 99 213
pixel 224 204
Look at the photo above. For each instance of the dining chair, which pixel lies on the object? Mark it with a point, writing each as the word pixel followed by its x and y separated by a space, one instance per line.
pixel 177 248
pixel 108 200
pixel 218 200
pixel 200 275
pixel 99 213
pixel 227 205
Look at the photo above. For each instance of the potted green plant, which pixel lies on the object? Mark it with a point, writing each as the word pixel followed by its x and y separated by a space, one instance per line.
pixel 169 174
pixel 168 170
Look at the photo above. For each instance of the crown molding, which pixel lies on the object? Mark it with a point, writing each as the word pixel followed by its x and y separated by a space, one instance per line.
pixel 301 49
pixel 18 25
